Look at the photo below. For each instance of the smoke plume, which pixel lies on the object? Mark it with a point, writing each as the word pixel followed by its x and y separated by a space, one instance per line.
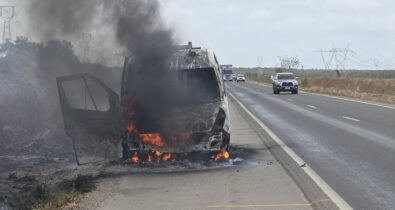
pixel 28 94
pixel 135 25
pixel 54 20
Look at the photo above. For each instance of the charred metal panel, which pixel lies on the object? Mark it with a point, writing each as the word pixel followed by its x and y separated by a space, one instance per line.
pixel 91 116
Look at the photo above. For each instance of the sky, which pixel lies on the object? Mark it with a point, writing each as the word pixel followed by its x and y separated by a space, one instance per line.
pixel 240 31
pixel 250 33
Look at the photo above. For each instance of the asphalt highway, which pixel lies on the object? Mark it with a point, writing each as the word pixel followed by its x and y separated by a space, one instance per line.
pixel 351 145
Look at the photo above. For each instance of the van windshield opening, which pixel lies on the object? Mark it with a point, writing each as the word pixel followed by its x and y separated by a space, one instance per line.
pixel 176 87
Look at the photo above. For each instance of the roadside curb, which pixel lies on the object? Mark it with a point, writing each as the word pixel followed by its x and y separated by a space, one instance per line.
pixel 316 190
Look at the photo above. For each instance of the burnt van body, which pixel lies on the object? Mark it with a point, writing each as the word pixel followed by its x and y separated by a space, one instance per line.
pixel 180 109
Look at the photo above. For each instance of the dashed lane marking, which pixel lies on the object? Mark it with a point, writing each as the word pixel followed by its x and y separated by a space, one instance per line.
pixel 311 106
pixel 352 119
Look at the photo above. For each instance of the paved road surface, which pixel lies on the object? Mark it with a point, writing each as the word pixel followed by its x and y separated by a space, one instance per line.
pixel 350 145
pixel 260 183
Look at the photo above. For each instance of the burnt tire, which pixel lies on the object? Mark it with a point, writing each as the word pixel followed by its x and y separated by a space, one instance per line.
pixel 226 140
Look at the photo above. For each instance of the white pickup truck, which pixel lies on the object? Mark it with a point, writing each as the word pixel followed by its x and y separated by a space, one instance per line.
pixel 283 82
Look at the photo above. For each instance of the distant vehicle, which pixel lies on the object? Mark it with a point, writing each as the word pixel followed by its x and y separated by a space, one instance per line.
pixel 240 78
pixel 227 72
pixel 227 77
pixel 234 77
pixel 283 82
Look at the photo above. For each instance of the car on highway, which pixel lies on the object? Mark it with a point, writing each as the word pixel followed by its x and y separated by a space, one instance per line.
pixel 285 82
pixel 240 78
pixel 234 77
pixel 227 77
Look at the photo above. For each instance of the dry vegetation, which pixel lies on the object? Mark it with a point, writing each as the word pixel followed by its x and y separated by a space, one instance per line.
pixel 372 89
pixel 381 90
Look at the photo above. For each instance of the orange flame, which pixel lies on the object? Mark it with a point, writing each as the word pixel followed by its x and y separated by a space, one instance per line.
pixel 152 138
pixel 158 153
pixel 135 158
pixel 166 157
pixel 150 158
pixel 221 154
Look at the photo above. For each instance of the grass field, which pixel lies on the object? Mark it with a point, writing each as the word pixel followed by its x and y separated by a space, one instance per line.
pixel 365 85
pixel 383 74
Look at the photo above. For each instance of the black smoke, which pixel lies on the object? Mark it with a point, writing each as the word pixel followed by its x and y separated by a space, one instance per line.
pixel 137 29
pixel 136 26
pixel 51 19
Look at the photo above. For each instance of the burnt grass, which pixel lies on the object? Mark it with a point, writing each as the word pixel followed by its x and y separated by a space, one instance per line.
pixel 37 167
pixel 31 188
pixel 29 193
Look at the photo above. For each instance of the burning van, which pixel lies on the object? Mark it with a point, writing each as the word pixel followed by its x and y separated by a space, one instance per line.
pixel 160 112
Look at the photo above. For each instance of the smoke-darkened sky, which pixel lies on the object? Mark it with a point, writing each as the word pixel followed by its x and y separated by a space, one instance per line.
pixel 241 31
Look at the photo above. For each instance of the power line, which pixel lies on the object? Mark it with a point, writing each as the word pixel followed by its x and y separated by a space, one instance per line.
pixel 359 63
pixel 389 60
pixel 367 63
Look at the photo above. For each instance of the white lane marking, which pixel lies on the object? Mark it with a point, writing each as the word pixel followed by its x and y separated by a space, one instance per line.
pixel 350 118
pixel 311 106
pixel 290 100
pixel 332 194
pixel 336 97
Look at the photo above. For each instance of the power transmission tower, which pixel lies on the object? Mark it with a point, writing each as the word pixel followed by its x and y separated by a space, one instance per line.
pixel 7 13
pixel 86 39
pixel 327 62
pixel 339 55
pixel 376 63
pixel 260 60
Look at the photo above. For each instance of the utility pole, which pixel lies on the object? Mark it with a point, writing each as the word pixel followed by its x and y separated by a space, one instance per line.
pixel 86 42
pixel 7 13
